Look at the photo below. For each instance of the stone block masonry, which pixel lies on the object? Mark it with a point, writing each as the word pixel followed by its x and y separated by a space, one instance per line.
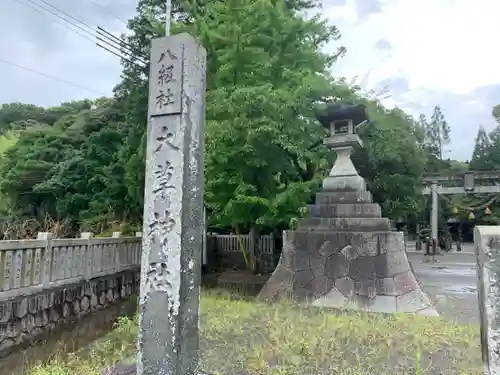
pixel 47 282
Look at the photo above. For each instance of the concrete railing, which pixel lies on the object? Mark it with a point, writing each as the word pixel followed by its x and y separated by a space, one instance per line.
pixel 48 281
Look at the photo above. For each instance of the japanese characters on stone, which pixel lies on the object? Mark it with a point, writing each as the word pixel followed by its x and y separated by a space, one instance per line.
pixel 165 213
pixel 167 81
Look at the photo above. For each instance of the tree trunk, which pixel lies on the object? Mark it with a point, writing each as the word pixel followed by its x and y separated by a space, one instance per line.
pixel 254 239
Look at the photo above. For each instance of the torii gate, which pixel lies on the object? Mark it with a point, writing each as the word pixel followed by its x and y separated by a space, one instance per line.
pixel 466 180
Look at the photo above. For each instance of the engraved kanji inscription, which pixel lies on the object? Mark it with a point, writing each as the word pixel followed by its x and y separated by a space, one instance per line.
pixel 165 74
pixel 160 227
pixel 157 277
pixel 163 175
pixel 168 54
pixel 166 137
pixel 166 79
pixel 164 98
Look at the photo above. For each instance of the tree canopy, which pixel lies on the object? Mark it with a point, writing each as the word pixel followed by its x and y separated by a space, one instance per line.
pixel 82 163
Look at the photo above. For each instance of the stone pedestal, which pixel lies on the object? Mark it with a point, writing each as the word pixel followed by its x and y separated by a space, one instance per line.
pixel 487 245
pixel 344 255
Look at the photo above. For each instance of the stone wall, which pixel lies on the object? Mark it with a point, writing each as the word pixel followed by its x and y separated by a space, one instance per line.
pixel 487 246
pixel 47 282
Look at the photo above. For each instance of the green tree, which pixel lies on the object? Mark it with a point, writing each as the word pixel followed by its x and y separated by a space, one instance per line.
pixel 70 170
pixel 437 133
pixel 266 77
pixel 266 80
pixel 392 161
pixel 480 156
pixel 496 113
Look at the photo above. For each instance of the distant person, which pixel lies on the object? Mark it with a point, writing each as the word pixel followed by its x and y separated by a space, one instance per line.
pixel 434 246
pixel 428 246
pixel 442 244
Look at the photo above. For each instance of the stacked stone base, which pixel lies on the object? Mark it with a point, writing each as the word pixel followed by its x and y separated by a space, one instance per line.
pixel 344 256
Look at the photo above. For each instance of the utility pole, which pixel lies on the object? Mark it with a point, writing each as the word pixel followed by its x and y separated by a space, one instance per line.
pixel 168 17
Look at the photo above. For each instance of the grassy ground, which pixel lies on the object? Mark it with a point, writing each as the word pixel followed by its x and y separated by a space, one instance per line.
pixel 243 337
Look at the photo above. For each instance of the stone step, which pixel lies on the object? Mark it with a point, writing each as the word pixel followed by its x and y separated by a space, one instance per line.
pixel 364 243
pixel 352 210
pixel 344 197
pixel 358 224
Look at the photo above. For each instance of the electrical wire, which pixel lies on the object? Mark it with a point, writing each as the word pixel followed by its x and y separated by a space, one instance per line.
pixel 51 77
pixel 123 44
pixel 107 11
pixel 97 34
pixel 28 5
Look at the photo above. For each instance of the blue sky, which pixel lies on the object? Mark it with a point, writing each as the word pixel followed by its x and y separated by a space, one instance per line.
pixel 425 52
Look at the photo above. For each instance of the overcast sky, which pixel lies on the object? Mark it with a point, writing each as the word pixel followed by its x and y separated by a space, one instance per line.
pixel 426 52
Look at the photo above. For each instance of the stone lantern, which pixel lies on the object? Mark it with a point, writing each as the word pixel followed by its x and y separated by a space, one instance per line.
pixel 343 254
pixel 342 121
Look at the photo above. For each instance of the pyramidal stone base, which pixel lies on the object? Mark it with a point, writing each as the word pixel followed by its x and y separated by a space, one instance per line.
pixel 344 255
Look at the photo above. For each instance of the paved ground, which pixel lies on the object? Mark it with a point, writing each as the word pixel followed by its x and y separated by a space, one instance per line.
pixel 450 281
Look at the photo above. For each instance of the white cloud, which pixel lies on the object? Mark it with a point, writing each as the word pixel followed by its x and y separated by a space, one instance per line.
pixel 439 45
pixel 441 54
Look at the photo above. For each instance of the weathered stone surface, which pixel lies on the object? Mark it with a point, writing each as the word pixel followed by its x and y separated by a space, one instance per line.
pixel 487 246
pixel 25 319
pixel 344 197
pixel 391 264
pixel 383 304
pixel 344 184
pixel 413 301
pixel 363 268
pixel 321 285
pixel 344 254
pixel 173 224
pixel 386 287
pixel 317 264
pixel 368 210
pixel 358 224
pixel 302 279
pixel 405 282
pixel 366 288
pixel 336 266
pixel 332 299
pixel 129 369
pixel 345 285
pixel 299 261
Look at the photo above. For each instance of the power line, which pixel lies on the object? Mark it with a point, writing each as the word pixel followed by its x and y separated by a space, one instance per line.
pixel 94 33
pixel 107 11
pixel 122 44
pixel 51 77
pixel 56 20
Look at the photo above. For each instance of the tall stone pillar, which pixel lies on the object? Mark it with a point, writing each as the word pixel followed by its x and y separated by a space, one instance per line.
pixel 172 237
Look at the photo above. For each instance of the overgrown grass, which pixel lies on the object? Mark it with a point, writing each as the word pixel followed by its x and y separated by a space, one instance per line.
pixel 243 337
